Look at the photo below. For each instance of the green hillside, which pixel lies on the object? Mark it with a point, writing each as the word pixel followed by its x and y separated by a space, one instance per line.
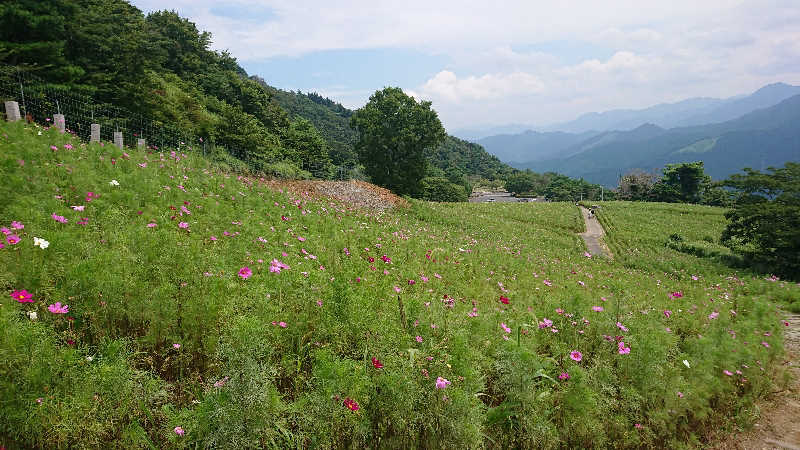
pixel 759 139
pixel 154 299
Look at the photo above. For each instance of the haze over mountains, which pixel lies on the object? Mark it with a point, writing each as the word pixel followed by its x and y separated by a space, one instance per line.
pixel 756 130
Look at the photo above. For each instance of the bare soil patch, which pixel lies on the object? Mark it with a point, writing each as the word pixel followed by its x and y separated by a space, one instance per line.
pixel 355 194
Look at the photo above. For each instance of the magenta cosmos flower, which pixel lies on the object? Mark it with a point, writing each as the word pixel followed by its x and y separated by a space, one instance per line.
pixel 576 355
pixel 179 431
pixel 183 225
pixel 245 272
pixel 12 239
pixel 22 296
pixel 58 308
pixel 441 383
pixel 58 218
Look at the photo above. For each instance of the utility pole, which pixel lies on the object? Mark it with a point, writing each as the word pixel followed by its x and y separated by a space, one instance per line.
pixel 601 193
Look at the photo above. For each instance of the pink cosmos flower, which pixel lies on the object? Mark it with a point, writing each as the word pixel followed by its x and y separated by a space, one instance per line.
pixel 727 372
pixel 765 344
pixel 680 394
pixel 597 308
pixel 276 266
pixel 547 283
pixel 411 282
pixel 505 327
pixel 667 313
pixel 176 346
pixel 622 349
pixel 622 327
pixel 441 383
pixel 397 289
pixel 564 376
pixel 58 308
pixel 78 208
pixel 437 276
pixel 282 324
pixel 301 238
pixel 17 225
pixel 677 294
pixel 183 225
pixel 581 283
pixel 5 231
pixel 152 225
pixel 419 339
pixel 12 239
pixel 221 382
pixel 22 296
pixel 179 431
pixel 351 404
pixel 245 272
pixel 58 218
pixel 713 315
pixel 576 355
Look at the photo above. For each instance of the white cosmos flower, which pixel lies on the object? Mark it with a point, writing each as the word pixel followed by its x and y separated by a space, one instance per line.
pixel 686 363
pixel 114 183
pixel 32 315
pixel 39 242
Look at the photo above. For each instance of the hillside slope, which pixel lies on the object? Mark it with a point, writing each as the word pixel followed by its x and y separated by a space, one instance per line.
pixel 762 138
pixel 152 299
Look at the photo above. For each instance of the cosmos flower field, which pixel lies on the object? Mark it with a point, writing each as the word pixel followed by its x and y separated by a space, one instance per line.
pixel 156 299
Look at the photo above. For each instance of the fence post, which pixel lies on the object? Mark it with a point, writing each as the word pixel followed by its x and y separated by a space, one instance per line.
pixel 140 143
pixel 118 139
pixel 12 111
pixel 95 133
pixel 59 122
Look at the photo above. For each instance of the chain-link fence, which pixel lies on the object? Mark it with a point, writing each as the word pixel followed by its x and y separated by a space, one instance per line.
pixel 39 101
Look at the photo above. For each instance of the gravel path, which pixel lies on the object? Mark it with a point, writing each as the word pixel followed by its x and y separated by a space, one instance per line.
pixel 778 426
pixel 593 235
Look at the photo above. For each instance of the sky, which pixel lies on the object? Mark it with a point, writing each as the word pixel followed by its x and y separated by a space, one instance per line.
pixel 484 63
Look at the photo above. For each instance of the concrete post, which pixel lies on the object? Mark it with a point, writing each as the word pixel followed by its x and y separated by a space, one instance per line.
pixel 59 122
pixel 118 139
pixel 140 143
pixel 12 111
pixel 95 133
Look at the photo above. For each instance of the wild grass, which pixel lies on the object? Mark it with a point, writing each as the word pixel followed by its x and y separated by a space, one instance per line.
pixel 166 345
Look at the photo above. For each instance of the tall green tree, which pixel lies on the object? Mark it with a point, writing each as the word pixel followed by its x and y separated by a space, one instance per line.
pixel 765 218
pixel 684 182
pixel 394 133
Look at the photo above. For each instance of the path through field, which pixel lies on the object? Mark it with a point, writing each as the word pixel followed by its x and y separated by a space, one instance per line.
pixel 593 234
pixel 779 425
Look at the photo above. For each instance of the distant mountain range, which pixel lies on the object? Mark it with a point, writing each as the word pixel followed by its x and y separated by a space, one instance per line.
pixel 757 130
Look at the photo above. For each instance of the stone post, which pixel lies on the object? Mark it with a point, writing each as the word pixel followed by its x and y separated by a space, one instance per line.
pixel 118 139
pixel 59 122
pixel 95 133
pixel 12 111
pixel 140 143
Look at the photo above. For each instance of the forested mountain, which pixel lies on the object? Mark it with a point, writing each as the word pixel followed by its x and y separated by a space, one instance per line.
pixel 762 138
pixel 160 66
pixel 690 112
pixel 455 156
pixel 531 145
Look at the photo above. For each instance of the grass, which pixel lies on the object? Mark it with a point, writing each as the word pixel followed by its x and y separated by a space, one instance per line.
pixel 166 345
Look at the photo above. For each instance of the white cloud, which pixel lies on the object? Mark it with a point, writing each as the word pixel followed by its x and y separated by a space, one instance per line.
pixel 490 86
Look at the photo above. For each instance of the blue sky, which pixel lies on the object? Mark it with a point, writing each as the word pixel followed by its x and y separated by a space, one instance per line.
pixel 530 62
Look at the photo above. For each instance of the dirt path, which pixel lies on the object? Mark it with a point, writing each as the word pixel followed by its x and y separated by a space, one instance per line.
pixel 593 235
pixel 779 424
